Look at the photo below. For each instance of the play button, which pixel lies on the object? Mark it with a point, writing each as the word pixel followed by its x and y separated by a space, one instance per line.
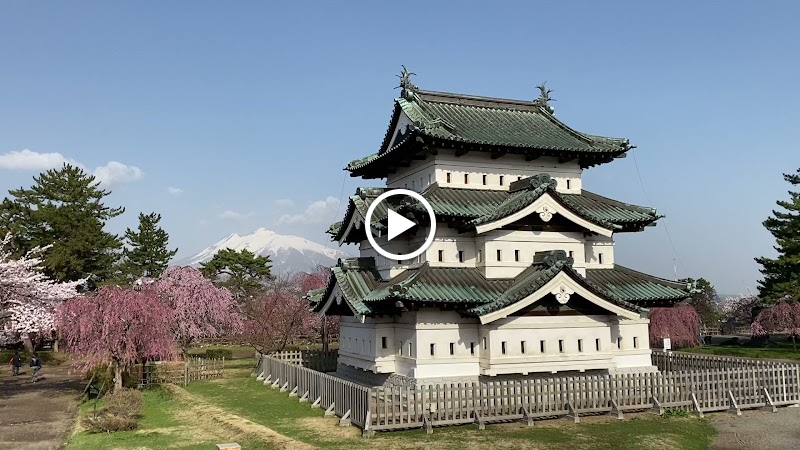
pixel 397 224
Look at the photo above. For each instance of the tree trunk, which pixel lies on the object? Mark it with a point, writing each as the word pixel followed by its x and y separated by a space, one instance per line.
pixel 27 342
pixel 794 343
pixel 117 375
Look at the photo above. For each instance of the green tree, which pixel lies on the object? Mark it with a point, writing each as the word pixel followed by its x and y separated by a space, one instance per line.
pixel 64 208
pixel 782 274
pixel 705 301
pixel 241 272
pixel 146 253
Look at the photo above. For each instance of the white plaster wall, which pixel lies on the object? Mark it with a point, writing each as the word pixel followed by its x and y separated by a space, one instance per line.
pixel 596 246
pixel 527 243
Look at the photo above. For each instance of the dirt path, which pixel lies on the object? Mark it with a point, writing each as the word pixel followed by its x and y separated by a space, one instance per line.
pixel 202 410
pixel 757 430
pixel 37 416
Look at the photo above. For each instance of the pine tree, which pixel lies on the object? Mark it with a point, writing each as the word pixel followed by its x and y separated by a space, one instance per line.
pixel 146 253
pixel 705 301
pixel 241 272
pixel 782 274
pixel 64 208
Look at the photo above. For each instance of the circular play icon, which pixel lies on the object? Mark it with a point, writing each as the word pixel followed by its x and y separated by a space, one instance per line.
pixel 397 224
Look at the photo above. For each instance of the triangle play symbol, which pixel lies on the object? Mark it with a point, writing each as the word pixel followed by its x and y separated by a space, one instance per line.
pixel 398 224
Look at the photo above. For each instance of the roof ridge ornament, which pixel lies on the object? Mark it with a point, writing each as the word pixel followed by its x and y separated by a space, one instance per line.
pixel 544 98
pixel 409 89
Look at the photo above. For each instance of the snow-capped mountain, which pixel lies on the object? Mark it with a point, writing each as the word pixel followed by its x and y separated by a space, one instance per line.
pixel 289 254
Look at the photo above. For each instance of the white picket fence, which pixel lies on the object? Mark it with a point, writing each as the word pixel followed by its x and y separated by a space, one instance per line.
pixel 701 384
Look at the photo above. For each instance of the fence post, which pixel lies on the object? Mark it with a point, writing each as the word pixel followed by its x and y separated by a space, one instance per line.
pixel 186 373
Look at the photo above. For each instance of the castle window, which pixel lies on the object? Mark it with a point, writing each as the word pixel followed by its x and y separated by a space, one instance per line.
pixel 409 349
pixel 635 342
pixel 384 344
pixel 466 178
pixel 400 349
pixel 568 184
pixel 503 347
pixel 430 178
pixel 619 342
pixel 479 256
pixel 484 343
pixel 580 345
pixel 542 348
pixel 498 255
pixel 433 349
pixel 570 253
pixel 420 182
pixel 516 255
pixel 441 255
pixel 461 256
pixel 522 347
pixel 448 177
pixel 484 180
pixel 501 180
pixel 561 345
pixel 600 258
pixel 519 178
pixel 405 186
pixel 452 348
pixel 413 184
pixel 597 344
pixel 471 348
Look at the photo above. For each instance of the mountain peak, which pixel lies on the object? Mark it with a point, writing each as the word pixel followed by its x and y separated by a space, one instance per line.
pixel 289 254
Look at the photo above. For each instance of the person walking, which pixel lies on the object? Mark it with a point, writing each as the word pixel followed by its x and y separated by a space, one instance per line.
pixel 16 363
pixel 36 366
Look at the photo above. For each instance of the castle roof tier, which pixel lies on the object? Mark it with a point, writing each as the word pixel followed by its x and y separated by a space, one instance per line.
pixel 470 123
pixel 356 288
pixel 481 210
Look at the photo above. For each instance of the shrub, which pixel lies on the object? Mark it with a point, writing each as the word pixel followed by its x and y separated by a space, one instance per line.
pixel 125 403
pixel 104 423
pixel 219 353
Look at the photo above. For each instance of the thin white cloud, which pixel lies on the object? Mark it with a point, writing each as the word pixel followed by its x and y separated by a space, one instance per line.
pixel 234 215
pixel 317 212
pixel 117 173
pixel 174 191
pixel 285 203
pixel 31 160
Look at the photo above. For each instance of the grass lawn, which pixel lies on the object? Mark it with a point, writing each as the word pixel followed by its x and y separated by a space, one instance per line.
pixel 776 348
pixel 245 396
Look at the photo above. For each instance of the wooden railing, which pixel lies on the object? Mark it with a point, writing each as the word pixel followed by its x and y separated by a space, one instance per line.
pixel 714 385
pixel 673 361
pixel 178 372
pixel 313 359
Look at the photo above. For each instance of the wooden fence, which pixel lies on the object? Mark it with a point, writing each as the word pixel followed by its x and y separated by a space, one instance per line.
pixel 179 372
pixel 707 384
pixel 313 359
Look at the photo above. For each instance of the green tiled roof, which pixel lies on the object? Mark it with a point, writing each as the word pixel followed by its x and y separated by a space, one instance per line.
pixel 629 285
pixel 484 124
pixel 359 204
pixel 468 291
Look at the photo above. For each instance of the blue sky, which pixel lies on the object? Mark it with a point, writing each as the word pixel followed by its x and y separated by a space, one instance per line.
pixel 227 117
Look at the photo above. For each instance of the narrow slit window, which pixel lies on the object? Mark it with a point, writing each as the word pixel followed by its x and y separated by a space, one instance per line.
pixel 561 346
pixel 384 344
pixel 597 344
pixel 568 184
pixel 484 343
pixel 635 342
pixel 619 342
pixel 433 349
pixel 484 180
pixel 461 256
pixel 516 255
pixel 399 261
pixel 471 348
pixel 498 255
pixel 570 253
pixel 409 349
pixel 519 178
pixel 452 348
pixel 479 256
pixel 580 345
pixel 542 348
pixel 466 178
pixel 448 177
pixel 400 349
pixel 430 178
pixel 413 184
pixel 441 255
pixel 522 347
pixel 501 180
pixel 503 347
pixel 600 258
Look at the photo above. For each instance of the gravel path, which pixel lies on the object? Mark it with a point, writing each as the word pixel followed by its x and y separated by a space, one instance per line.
pixel 37 416
pixel 755 429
